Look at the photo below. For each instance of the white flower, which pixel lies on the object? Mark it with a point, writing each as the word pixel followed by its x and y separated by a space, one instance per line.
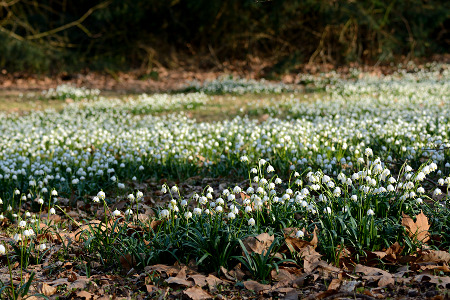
pixel 113 178
pixel 128 212
pixel 437 192
pixel 52 211
pixel 17 237
pixel 131 197
pixel 163 189
pixel 231 197
pixel 188 215
pixel 248 209
pixel 354 198
pixel 174 189
pixel 408 168
pixel 40 201
pixel 441 181
pixel 251 222
pixel 16 192
pixel 337 192
pixel 22 224
pixel 419 200
pixel 96 199
pixel 327 210
pixel 368 152
pixel 141 168
pixel 101 195
pixel 54 193
pixel 2 249
pixel 254 171
pixel 262 162
pixel 250 190
pixel 197 211
pixel 219 209
pixel 299 234
pixel 139 194
pixel 270 169
pixel 164 213
pixel 278 180
pixel 42 247
pixel 116 213
pixel 244 158
pixel 420 190
pixel 231 216
pixel 121 185
pixel 370 212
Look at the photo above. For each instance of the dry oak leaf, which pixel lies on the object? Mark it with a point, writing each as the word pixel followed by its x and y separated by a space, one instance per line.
pixel 86 295
pixel 256 286
pixel 46 289
pixel 258 243
pixel 179 281
pixel 384 278
pixel 197 293
pixel 435 256
pixel 418 229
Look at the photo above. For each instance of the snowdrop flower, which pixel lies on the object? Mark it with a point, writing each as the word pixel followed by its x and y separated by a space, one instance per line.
pixel 141 168
pixel 96 199
pixel 420 190
pixel 139 195
pixel 368 152
pixel 54 193
pixel 278 180
pixel 52 211
pixel 116 213
pixel 231 216
pixel 131 197
pixel 219 209
pixel 164 213
pixel 437 192
pixel 17 238
pixel 270 169
pixel 101 195
pixel 327 210
pixel 188 215
pixel 244 158
pixel 299 234
pixel 248 209
pixel 231 197
pixel 419 200
pixel 2 249
pixel 121 185
pixel 250 190
pixel 441 181
pixel 203 200
pixel 1 201
pixel 237 190
pixel 370 212
pixel 251 222
pixel 197 211
pixel 262 162
pixel 42 247
pixel 163 189
pixel 254 171
pixel 354 198
pixel 183 203
pixel 113 178
pixel 16 192
pixel 40 201
pixel 128 212
pixel 337 192
pixel 22 224
pixel 408 168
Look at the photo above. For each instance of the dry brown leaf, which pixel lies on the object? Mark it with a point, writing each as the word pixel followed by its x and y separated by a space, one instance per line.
pixel 213 280
pixel 197 293
pixel 46 289
pixel 179 281
pixel 418 229
pixel 435 256
pixel 86 295
pixel 199 279
pixel 334 285
pixel 258 243
pixel 256 286
pixel 384 278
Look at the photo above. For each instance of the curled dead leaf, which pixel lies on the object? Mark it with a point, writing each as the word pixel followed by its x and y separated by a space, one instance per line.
pixel 418 229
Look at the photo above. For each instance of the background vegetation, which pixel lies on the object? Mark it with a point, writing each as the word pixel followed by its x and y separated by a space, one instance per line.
pixel 50 35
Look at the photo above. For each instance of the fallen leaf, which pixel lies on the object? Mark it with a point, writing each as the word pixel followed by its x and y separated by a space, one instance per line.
pixel 258 243
pixel 179 281
pixel 213 280
pixel 46 289
pixel 349 286
pixel 435 256
pixel 418 229
pixel 86 295
pixel 197 293
pixel 256 286
pixel 334 285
